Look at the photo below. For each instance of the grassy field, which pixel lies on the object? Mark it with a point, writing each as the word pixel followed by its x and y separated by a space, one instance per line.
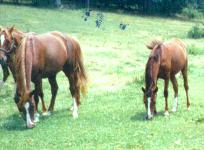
pixel 112 114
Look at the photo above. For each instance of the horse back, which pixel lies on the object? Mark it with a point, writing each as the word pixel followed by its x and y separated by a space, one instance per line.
pixel 49 53
pixel 175 52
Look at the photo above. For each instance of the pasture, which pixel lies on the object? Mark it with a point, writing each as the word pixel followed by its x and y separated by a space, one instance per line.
pixel 112 113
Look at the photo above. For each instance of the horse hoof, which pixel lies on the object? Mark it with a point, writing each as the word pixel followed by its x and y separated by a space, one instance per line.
pixel 72 108
pixel 174 110
pixel 75 115
pixel 188 108
pixel 166 113
pixel 47 113
pixel 36 119
pixel 37 114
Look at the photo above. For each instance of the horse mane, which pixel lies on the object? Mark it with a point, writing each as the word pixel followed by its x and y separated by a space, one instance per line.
pixel 153 58
pixel 21 71
pixel 154 43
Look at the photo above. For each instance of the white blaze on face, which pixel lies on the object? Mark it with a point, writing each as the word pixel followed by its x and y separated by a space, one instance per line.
pixel 2 39
pixel 148 106
pixel 75 109
pixel 28 119
pixel 175 105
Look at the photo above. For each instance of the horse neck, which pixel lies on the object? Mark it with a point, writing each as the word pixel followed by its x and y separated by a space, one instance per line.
pixel 22 74
pixel 151 73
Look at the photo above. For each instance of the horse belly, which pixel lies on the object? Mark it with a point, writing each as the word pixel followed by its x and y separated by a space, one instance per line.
pixel 178 64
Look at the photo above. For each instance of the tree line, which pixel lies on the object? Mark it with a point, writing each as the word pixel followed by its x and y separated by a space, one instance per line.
pixel 167 7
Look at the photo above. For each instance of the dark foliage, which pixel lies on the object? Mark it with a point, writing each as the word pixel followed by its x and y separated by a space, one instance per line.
pixel 161 7
pixel 99 19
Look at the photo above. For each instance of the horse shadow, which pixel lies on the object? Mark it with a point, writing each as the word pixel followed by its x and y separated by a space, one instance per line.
pixel 16 123
pixel 13 123
pixel 141 116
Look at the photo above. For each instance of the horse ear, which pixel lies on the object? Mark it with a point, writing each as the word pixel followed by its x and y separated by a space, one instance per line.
pixel 11 29
pixel 143 89
pixel 149 47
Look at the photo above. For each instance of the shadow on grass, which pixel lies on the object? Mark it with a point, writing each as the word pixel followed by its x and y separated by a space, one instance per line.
pixel 141 116
pixel 201 120
pixel 58 113
pixel 14 122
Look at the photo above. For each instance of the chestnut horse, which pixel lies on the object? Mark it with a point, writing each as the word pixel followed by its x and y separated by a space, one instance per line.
pixel 165 61
pixel 43 56
pixel 7 60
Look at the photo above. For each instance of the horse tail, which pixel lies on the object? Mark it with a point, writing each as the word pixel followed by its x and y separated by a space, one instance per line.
pixel 78 66
pixel 153 44
pixel 81 73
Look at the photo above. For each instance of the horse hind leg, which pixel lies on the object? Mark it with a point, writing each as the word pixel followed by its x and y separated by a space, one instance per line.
pixel 175 87
pixel 75 92
pixel 39 93
pixel 54 89
pixel 166 84
pixel 185 79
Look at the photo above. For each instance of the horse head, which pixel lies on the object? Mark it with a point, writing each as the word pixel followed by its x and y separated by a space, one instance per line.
pixel 10 39
pixel 149 100
pixel 25 104
pixel 151 75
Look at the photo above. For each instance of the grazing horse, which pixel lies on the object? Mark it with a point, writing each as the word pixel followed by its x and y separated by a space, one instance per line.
pixel 7 59
pixel 165 61
pixel 43 56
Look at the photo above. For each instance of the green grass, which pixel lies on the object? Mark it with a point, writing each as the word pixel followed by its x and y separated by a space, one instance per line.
pixel 112 114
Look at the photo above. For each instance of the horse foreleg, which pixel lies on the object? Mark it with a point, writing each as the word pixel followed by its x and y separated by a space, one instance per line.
pixel 75 92
pixel 166 84
pixel 185 78
pixel 5 72
pixel 175 87
pixel 54 89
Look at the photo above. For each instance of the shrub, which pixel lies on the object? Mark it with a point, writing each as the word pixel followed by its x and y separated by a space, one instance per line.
pixel 193 50
pixel 190 12
pixel 196 32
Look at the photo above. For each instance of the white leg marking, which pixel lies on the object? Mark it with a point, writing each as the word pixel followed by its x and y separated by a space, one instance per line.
pixel 2 39
pixel 166 113
pixel 149 115
pixel 36 117
pixel 28 120
pixel 72 107
pixel 175 104
pixel 75 109
pixel 47 113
